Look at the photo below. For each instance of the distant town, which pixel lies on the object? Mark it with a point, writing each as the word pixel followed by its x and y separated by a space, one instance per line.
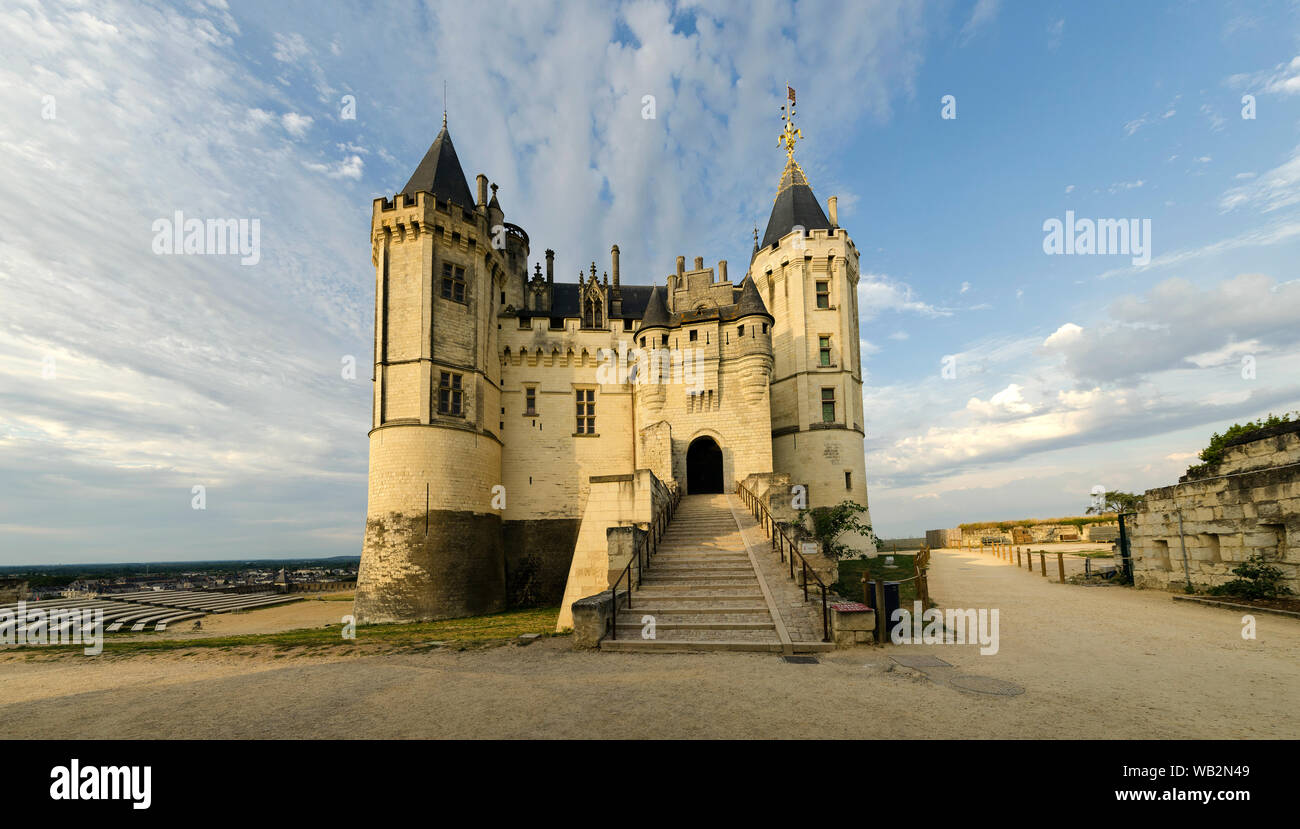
pixel 67 580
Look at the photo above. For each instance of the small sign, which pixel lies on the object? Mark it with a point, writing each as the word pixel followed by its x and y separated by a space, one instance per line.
pixel 808 548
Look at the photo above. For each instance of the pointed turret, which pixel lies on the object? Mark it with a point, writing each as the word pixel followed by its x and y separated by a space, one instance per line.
pixel 795 206
pixel 656 311
pixel 440 173
pixel 750 301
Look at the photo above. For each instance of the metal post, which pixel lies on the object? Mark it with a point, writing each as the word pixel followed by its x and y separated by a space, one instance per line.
pixel 881 624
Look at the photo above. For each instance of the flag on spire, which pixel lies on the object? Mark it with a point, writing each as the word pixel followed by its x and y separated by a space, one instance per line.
pixel 789 93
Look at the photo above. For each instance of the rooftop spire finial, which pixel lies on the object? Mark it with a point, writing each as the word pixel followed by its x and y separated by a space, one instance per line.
pixel 790 133
pixel 444 104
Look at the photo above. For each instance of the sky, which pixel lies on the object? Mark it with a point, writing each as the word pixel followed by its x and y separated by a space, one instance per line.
pixel 1001 381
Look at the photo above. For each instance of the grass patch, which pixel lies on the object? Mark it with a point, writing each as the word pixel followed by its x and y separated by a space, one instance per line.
pixel 850 584
pixel 474 630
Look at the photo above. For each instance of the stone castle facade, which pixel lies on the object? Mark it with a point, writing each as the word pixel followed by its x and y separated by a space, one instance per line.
pixel 503 399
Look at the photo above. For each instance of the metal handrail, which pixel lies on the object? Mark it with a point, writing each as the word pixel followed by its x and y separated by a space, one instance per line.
pixel 651 541
pixel 779 541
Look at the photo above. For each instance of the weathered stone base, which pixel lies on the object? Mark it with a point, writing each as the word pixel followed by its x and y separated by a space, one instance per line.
pixel 455 569
pixel 538 555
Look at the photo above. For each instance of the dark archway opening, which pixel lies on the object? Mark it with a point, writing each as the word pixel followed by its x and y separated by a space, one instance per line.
pixel 703 466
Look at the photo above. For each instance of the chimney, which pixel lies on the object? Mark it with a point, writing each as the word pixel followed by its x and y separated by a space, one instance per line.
pixel 722 270
pixel 550 267
pixel 681 266
pixel 482 190
pixel 832 209
pixel 699 263
pixel 613 252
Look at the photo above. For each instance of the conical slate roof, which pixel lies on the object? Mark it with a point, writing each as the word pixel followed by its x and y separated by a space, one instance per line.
pixel 440 173
pixel 656 311
pixel 795 205
pixel 750 302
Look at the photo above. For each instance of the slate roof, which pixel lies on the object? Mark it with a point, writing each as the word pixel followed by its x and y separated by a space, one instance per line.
pixel 795 205
pixel 440 173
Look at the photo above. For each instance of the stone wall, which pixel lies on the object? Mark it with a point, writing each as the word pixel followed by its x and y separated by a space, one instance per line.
pixel 1250 503
pixel 613 501
pixel 1047 532
pixel 538 555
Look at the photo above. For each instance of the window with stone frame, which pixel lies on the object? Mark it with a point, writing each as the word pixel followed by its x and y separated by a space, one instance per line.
pixel 586 400
pixel 824 350
pixel 450 399
pixel 453 282
pixel 828 405
pixel 530 401
pixel 823 293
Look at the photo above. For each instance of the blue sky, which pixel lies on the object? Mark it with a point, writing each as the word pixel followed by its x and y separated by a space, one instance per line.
pixel 127 378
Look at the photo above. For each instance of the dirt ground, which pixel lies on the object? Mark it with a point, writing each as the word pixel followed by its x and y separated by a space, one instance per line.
pixel 1090 662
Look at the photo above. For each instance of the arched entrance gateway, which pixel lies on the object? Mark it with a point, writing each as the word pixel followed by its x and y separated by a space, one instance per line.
pixel 703 466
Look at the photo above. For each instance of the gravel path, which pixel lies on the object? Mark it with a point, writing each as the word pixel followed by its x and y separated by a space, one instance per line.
pixel 1092 662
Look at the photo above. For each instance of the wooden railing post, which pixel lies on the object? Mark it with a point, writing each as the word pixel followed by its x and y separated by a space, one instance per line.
pixel 1060 565
pixel 1042 563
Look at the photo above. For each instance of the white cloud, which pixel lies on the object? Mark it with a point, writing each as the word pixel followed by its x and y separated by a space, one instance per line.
pixel 983 14
pixel 1271 190
pixel 1067 333
pixel 295 124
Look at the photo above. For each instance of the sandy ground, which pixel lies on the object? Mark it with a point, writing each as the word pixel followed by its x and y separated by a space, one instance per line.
pixel 1092 662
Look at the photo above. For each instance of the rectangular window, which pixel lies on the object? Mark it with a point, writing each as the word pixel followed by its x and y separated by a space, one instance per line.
pixel 586 411
pixel 453 283
pixel 557 323
pixel 663 340
pixel 526 322
pixel 449 394
pixel 530 400
pixel 695 335
pixel 764 328
pixel 643 342
pixel 627 325
pixel 824 351
pixel 848 480
pixel 741 331
pixel 828 405
pixel 823 294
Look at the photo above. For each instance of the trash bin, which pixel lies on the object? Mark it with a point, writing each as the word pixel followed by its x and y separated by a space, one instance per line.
pixel 891 597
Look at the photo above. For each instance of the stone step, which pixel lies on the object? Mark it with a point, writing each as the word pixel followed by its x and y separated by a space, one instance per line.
pixel 665 646
pixel 674 569
pixel 665 624
pixel 689 582
pixel 657 610
pixel 697 592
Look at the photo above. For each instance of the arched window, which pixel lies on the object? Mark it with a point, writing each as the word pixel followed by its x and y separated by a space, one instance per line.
pixel 592 316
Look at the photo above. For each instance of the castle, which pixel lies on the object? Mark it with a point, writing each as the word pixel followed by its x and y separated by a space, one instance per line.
pixel 503 399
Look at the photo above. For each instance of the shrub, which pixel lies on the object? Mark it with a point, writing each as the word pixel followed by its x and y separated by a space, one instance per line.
pixel 1212 455
pixel 1255 580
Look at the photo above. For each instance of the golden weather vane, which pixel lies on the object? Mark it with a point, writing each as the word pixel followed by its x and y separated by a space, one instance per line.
pixel 790 133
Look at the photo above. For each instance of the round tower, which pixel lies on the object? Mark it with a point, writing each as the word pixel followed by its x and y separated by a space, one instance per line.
pixel 433 542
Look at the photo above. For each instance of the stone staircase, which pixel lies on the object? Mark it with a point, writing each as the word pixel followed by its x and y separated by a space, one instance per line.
pixel 701 588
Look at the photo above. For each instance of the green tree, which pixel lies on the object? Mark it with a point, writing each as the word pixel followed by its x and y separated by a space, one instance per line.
pixel 1117 501
pixel 827 524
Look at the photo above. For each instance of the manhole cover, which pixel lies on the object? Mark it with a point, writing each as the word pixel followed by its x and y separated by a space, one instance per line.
pixel 921 660
pixel 985 685
pixel 800 660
